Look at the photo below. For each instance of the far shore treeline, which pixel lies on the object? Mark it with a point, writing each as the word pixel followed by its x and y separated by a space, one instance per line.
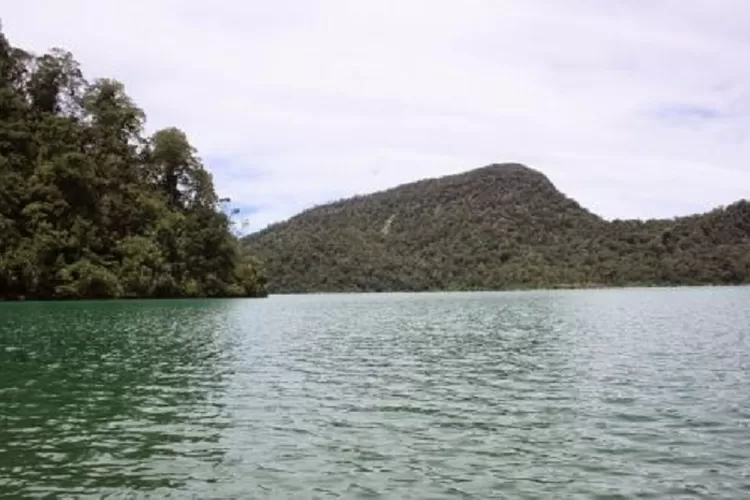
pixel 500 227
pixel 90 207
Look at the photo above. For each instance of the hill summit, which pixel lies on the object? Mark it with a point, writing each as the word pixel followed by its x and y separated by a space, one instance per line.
pixel 497 227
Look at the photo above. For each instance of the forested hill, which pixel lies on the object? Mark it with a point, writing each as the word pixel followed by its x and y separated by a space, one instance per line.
pixel 498 227
pixel 91 207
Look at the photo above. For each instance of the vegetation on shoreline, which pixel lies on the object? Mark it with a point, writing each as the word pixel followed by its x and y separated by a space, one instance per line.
pixel 90 207
pixel 495 228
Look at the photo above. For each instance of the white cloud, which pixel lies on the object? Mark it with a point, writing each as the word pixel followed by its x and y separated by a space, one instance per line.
pixel 634 108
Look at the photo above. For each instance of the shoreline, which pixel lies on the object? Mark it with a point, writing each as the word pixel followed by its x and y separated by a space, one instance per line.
pixel 517 289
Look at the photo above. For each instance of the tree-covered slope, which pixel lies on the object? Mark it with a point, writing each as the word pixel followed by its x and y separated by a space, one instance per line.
pixel 91 207
pixel 501 226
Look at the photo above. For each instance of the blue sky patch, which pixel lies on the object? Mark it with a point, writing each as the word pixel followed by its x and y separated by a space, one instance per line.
pixel 677 113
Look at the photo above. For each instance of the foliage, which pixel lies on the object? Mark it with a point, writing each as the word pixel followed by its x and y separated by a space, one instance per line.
pixel 91 207
pixel 497 227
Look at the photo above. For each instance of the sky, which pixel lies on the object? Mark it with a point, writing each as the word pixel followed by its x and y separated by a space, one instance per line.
pixel 635 108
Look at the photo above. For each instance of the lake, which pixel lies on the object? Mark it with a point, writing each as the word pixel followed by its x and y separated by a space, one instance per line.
pixel 633 393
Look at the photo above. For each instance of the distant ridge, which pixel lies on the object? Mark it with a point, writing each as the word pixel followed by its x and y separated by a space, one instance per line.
pixel 497 227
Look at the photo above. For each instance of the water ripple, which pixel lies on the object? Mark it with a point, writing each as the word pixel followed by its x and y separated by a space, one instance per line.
pixel 577 394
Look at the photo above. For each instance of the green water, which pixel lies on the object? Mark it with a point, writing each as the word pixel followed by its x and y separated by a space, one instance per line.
pixel 641 393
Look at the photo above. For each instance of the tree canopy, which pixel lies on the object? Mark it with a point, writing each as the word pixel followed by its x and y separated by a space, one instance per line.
pixel 498 227
pixel 91 207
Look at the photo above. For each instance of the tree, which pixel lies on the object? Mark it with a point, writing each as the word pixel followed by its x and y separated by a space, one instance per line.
pixel 90 207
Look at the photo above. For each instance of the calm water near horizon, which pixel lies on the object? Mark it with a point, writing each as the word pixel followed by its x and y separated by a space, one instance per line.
pixel 631 393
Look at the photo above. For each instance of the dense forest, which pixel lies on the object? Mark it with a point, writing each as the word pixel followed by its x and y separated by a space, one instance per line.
pixel 498 227
pixel 91 207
